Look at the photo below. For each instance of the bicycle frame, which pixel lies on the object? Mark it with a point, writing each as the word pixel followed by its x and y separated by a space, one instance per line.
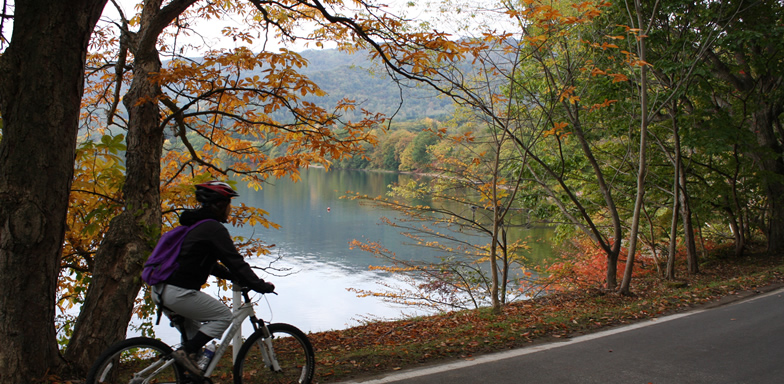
pixel 139 349
pixel 245 310
pixel 157 368
pixel 239 316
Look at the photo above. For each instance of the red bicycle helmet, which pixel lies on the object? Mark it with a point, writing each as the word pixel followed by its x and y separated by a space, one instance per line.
pixel 213 191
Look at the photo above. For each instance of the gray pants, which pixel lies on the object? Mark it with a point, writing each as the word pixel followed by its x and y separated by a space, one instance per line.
pixel 202 312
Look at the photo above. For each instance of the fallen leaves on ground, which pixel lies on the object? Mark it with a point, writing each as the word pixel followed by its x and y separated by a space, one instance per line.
pixel 385 346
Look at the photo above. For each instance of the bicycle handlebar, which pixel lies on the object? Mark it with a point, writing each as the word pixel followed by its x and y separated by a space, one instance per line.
pixel 246 290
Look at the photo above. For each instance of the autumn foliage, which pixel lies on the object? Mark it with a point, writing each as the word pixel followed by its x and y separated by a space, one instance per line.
pixel 583 266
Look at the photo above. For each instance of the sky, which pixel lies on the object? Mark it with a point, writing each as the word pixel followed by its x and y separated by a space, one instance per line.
pixel 431 11
pixel 210 29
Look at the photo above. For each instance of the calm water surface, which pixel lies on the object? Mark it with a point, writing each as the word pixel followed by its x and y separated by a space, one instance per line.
pixel 313 242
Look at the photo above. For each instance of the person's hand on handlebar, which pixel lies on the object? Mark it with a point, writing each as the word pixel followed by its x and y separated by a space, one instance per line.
pixel 262 286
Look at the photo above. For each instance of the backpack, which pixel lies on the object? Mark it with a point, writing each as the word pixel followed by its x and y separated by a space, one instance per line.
pixel 163 259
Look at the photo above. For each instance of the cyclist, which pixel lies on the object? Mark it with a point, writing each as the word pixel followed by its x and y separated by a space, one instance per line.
pixel 206 250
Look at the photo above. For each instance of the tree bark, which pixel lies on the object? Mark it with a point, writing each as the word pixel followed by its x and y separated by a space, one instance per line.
pixel 692 257
pixel 116 278
pixel 744 65
pixel 625 287
pixel 773 164
pixel 41 86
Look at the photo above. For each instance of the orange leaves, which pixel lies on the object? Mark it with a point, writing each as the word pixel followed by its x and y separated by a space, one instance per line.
pixel 605 104
pixel 557 130
pixel 535 40
pixel 604 46
pixel 618 77
pixel 581 7
pixel 466 137
pixel 568 94
pixel 552 20
pixel 237 93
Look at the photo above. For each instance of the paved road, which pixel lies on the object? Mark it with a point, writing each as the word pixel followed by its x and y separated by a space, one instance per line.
pixel 734 344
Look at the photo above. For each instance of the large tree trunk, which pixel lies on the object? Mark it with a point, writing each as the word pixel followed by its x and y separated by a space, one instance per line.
pixel 769 156
pixel 771 163
pixel 116 278
pixel 744 64
pixel 41 85
pixel 117 275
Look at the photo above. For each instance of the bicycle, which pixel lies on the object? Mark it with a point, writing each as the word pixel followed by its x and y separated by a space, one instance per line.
pixel 273 353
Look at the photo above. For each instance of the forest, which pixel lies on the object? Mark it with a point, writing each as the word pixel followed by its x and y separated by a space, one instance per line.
pixel 648 132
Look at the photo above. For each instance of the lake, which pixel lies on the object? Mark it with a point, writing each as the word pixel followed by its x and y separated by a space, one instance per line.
pixel 313 242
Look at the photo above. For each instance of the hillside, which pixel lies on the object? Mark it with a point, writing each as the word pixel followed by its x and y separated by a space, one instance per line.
pixel 343 75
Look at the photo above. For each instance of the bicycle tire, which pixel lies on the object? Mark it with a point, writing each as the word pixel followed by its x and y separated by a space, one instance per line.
pixel 122 360
pixel 294 353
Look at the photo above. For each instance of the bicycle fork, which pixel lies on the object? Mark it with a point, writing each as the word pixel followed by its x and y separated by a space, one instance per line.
pixel 268 352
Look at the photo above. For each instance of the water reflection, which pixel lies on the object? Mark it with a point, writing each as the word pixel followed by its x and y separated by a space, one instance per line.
pixel 313 242
pixel 316 223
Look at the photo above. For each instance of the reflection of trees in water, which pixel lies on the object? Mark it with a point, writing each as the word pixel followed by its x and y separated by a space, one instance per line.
pixel 313 238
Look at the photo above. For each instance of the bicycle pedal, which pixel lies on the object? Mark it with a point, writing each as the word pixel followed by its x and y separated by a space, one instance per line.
pixel 190 378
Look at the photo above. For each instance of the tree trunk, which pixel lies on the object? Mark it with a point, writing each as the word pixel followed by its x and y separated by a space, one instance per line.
pixel 633 233
pixel 759 86
pixel 117 275
pixel 672 249
pixel 497 214
pixel 740 231
pixel 41 86
pixel 683 204
pixel 692 257
pixel 771 163
pixel 676 193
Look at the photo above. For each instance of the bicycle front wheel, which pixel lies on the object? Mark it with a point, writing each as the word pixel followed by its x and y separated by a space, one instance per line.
pixel 292 350
pixel 136 360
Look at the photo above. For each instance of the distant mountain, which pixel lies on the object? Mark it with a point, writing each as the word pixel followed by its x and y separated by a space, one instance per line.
pixel 355 77
pixel 342 75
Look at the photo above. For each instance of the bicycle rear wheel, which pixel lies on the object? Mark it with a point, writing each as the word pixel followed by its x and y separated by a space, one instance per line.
pixel 135 360
pixel 293 351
